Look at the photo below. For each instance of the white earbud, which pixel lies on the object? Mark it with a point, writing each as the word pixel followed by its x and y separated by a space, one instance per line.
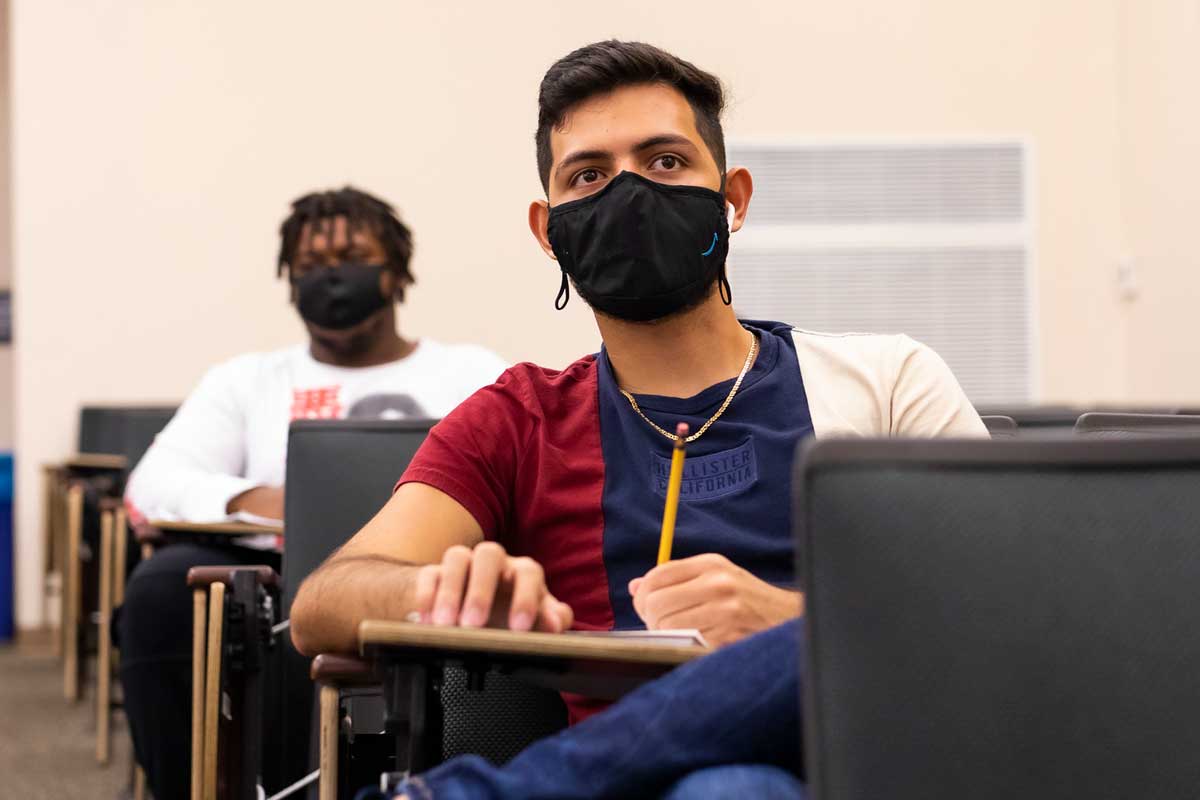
pixel 729 214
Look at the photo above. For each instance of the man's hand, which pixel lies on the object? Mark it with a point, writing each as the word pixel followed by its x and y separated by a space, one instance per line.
pixel 486 586
pixel 262 501
pixel 713 595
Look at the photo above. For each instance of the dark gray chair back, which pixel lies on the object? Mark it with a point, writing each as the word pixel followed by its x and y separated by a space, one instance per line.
pixel 1037 421
pixel 339 473
pixel 1001 619
pixel 121 430
pixel 1126 426
pixel 1000 427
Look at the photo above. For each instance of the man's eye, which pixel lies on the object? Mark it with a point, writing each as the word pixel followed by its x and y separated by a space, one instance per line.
pixel 667 162
pixel 587 176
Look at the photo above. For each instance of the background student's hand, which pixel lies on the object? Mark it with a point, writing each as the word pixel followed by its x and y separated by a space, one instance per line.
pixel 262 501
pixel 713 595
pixel 487 586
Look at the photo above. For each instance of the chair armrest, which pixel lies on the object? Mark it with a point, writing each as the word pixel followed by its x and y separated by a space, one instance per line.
pixel 342 670
pixel 198 577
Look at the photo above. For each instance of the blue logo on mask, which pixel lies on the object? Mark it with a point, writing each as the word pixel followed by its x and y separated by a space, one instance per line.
pixel 711 247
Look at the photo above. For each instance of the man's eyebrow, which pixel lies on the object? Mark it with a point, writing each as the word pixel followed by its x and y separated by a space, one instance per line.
pixel 662 139
pixel 582 155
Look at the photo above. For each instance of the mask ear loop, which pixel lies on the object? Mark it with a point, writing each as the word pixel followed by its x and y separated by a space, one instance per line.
pixel 722 280
pixel 564 293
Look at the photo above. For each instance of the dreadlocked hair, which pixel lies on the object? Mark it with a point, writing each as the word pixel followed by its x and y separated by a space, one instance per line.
pixel 361 210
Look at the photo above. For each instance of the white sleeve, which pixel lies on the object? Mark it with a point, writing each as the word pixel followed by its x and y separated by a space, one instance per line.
pixel 927 399
pixel 195 465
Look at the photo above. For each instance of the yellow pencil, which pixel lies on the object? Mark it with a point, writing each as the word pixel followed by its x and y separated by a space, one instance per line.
pixel 673 483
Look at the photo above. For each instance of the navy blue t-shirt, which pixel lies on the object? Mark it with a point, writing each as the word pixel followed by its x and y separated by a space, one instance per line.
pixel 736 494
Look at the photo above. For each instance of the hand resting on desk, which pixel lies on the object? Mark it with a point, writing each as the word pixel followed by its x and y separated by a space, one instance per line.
pixel 262 501
pixel 422 554
pixel 484 585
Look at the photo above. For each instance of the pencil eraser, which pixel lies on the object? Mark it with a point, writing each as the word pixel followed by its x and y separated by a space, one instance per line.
pixel 682 429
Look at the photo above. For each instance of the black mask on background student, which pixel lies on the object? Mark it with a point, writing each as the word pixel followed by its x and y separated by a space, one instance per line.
pixel 340 297
pixel 640 250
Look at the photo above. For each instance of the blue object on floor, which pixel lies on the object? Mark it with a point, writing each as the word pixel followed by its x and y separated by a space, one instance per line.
pixel 6 547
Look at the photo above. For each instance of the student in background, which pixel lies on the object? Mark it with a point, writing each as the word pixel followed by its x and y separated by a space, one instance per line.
pixel 536 504
pixel 346 257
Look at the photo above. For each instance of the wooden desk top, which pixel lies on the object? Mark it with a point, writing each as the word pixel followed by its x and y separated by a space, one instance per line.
pixel 378 635
pixel 224 528
pixel 95 461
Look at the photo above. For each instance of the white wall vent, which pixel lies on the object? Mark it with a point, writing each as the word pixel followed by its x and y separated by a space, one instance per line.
pixel 932 239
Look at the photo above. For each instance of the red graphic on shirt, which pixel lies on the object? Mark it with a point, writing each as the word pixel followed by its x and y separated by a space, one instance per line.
pixel 319 403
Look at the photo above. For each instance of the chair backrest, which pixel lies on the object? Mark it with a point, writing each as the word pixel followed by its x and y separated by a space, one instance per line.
pixel 1001 619
pixel 1126 426
pixel 1000 427
pixel 339 473
pixel 1037 421
pixel 121 430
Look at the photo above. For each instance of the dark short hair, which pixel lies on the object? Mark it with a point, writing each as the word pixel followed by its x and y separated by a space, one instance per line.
pixel 362 211
pixel 600 67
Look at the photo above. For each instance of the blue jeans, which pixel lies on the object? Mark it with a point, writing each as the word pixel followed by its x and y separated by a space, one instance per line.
pixel 725 725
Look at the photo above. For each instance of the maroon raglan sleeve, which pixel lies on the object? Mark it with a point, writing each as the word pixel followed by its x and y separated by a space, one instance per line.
pixel 474 453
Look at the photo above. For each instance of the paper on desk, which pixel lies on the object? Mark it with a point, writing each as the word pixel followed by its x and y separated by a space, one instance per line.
pixel 681 637
pixel 261 541
pixel 255 519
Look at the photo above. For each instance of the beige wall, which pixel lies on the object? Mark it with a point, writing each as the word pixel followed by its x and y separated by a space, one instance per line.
pixel 156 144
pixel 6 353
pixel 1160 122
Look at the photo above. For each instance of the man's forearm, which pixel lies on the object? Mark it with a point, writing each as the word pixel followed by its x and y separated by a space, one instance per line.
pixel 345 591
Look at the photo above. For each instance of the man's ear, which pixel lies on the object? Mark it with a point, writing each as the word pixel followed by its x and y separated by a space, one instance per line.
pixel 739 186
pixel 539 218
pixel 388 283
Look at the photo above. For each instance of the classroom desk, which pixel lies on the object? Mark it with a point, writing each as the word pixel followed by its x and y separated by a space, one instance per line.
pixel 215 528
pixel 217 533
pixel 62 540
pixel 95 461
pixel 208 587
pixel 595 666
pixel 400 652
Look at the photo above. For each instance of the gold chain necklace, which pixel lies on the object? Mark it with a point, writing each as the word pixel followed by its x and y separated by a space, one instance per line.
pixel 729 399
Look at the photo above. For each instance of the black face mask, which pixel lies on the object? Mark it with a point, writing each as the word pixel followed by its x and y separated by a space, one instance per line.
pixel 640 250
pixel 340 297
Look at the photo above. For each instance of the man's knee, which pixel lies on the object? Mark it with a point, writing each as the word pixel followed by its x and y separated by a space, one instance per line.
pixel 739 781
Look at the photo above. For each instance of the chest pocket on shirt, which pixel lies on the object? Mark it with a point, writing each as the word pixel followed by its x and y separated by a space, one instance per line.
pixel 708 476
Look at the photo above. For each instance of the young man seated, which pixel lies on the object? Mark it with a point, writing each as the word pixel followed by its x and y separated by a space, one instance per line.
pixel 346 255
pixel 537 503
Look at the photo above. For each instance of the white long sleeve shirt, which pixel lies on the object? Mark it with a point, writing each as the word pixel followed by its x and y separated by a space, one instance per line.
pixel 230 435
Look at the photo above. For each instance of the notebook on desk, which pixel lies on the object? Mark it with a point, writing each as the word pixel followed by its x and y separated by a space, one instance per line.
pixel 682 637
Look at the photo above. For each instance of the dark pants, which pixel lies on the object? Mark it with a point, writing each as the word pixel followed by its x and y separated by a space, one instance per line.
pixel 154 630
